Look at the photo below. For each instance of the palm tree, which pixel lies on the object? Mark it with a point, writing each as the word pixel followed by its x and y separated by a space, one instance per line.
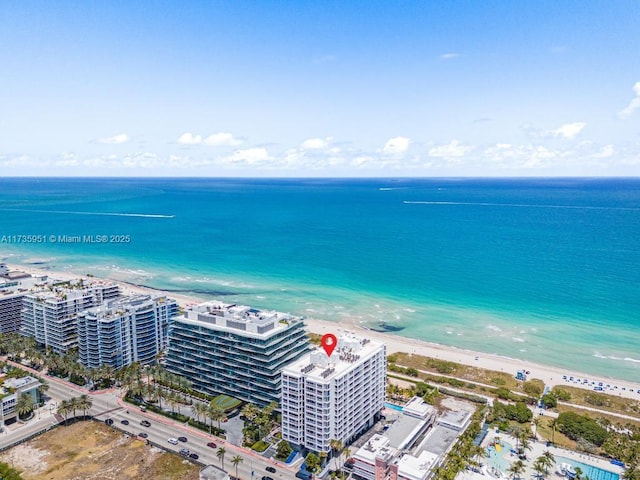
pixel 516 469
pixel 196 410
pixel 220 454
pixel 249 411
pixel 84 403
pixel 553 424
pixel 539 467
pixel 236 461
pixel 216 413
pixel 578 473
pixel 64 409
pixel 549 459
pixel 24 405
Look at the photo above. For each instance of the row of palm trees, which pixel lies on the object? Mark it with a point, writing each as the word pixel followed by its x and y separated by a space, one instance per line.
pixel 82 403
pixel 235 461
pixel 211 411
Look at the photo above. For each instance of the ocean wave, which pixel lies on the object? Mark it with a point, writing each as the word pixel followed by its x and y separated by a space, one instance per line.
pixel 495 328
pixel 109 214
pixel 613 357
pixel 518 339
pixel 520 205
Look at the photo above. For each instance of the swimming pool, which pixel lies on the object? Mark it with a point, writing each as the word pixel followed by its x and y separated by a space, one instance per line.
pixel 594 473
pixel 392 406
pixel 499 460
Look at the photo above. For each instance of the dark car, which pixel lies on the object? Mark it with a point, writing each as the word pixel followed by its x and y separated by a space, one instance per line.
pixel 212 445
pixel 182 439
pixel 143 435
pixel 124 422
pixel 184 452
pixel 267 478
pixel 145 423
pixel 271 469
pixel 194 456
pixel 109 421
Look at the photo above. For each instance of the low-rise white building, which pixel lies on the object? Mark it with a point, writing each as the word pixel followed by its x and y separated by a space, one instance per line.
pixel 11 389
pixel 333 397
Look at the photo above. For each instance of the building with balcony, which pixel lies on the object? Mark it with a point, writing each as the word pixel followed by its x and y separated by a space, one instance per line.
pixel 333 397
pixel 13 288
pixel 125 330
pixel 50 316
pixel 235 350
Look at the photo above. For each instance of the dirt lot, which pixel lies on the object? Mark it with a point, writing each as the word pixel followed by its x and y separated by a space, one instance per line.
pixel 90 450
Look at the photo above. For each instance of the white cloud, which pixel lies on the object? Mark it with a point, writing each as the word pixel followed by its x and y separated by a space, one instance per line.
pixel 605 152
pixel 221 139
pixel 634 104
pixel 250 156
pixel 449 56
pixel 452 150
pixel 569 130
pixel 121 138
pixel 396 145
pixel 189 139
pixel 316 143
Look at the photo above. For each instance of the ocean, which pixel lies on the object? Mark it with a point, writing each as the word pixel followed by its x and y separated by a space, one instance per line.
pixel 546 270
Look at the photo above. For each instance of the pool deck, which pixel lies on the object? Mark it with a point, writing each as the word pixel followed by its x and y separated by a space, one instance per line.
pixel 538 447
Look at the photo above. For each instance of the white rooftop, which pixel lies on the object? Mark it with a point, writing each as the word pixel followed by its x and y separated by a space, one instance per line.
pixel 377 446
pixel 239 319
pixel 416 468
pixel 417 407
pixel 348 354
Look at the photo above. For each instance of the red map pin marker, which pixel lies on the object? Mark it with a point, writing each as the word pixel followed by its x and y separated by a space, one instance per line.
pixel 329 342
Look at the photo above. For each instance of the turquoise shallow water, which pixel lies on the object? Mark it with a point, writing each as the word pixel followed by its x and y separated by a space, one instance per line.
pixel 538 269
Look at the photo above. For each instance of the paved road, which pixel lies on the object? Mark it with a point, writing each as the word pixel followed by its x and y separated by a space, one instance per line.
pixel 108 404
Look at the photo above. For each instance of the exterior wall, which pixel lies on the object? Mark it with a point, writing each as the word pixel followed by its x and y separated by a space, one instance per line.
pixel 10 312
pixel 340 405
pixel 51 317
pixel 224 359
pixel 129 330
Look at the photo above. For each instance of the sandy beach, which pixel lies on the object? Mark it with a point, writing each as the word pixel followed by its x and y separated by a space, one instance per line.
pixel 550 375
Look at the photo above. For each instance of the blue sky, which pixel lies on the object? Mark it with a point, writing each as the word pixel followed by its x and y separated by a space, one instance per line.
pixel 331 88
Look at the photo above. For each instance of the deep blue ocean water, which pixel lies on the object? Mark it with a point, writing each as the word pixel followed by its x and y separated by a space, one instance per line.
pixel 539 269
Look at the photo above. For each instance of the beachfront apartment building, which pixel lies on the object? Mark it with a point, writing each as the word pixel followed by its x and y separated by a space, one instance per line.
pixel 333 397
pixel 13 288
pixel 235 350
pixel 125 330
pixel 50 316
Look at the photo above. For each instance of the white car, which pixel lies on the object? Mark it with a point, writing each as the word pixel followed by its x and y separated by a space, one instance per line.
pixel 173 441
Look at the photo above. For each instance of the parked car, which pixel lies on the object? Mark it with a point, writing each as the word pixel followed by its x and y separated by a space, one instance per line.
pixel 271 469
pixel 124 422
pixel 212 445
pixel 173 441
pixel 109 421
pixel 143 435
pixel 194 456
pixel 267 478
pixel 184 452
pixel 182 439
pixel 145 423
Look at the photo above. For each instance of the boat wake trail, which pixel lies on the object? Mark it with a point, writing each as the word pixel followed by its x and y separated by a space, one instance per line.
pixel 522 205
pixel 109 214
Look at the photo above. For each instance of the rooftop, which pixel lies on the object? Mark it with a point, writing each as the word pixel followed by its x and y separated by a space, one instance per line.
pixel 404 430
pixel 239 319
pixel 456 419
pixel 439 439
pixel 417 407
pixel 377 446
pixel 416 468
pixel 20 382
pixel 119 306
pixel 318 366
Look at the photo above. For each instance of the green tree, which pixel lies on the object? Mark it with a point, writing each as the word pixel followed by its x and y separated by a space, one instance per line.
pixel 237 460
pixel 283 450
pixel 64 408
pixel 516 469
pixel 220 453
pixel 313 462
pixel 84 403
pixel 24 405
pixel 9 473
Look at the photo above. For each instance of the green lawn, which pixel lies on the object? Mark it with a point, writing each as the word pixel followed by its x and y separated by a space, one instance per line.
pixel 225 402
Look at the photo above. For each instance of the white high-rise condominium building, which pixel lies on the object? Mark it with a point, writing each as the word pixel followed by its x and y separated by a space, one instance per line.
pixel 337 397
pixel 51 316
pixel 126 330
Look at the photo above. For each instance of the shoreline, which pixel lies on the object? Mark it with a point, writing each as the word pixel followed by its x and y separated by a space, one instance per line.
pixel 550 375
